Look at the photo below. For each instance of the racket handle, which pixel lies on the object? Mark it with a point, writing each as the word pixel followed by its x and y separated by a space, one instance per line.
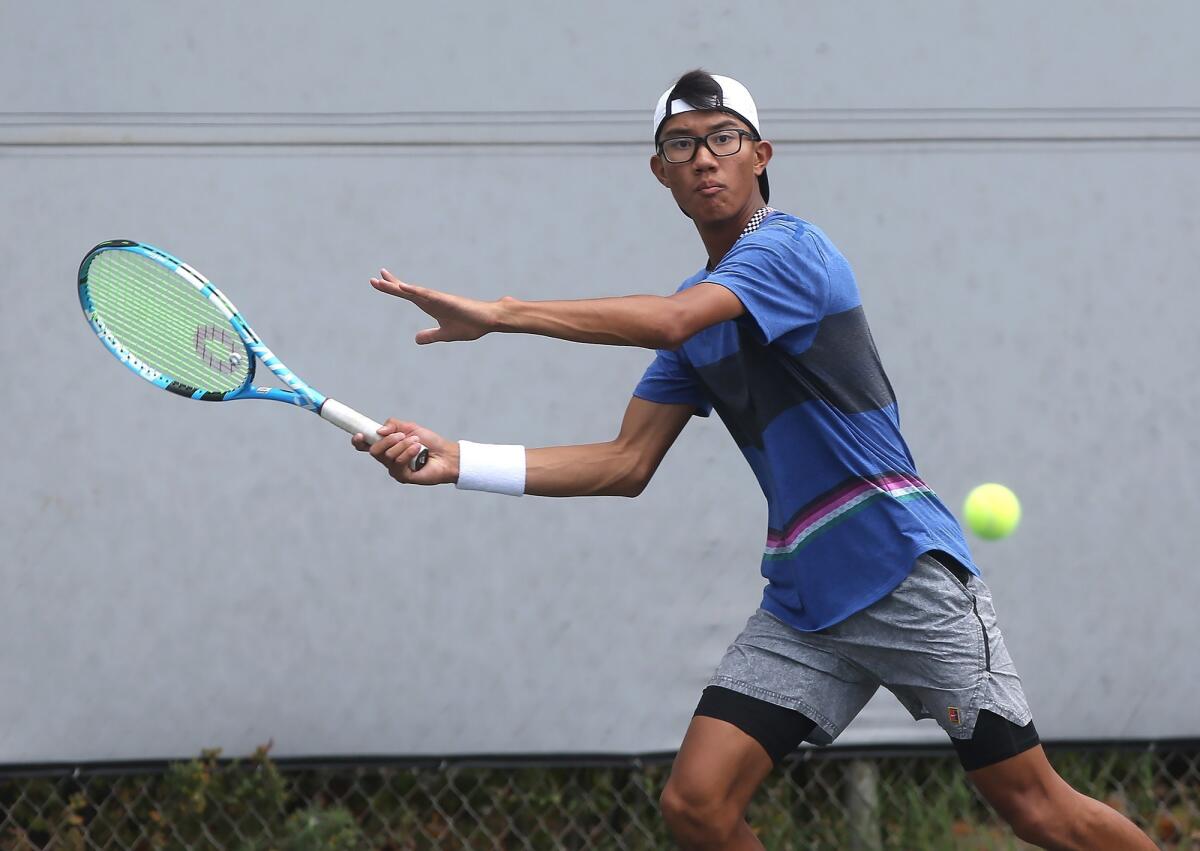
pixel 352 422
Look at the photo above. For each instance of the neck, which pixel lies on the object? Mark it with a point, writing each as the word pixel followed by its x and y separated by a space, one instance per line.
pixel 718 237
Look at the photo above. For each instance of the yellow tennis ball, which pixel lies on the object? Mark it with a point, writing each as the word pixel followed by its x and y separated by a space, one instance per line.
pixel 992 511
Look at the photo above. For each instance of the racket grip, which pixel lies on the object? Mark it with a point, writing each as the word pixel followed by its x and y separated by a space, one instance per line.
pixel 352 422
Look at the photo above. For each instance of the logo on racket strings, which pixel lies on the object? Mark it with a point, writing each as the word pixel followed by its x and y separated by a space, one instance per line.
pixel 220 349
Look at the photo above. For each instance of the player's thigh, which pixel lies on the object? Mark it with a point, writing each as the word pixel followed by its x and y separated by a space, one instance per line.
pixel 1023 787
pixel 718 766
pixel 732 744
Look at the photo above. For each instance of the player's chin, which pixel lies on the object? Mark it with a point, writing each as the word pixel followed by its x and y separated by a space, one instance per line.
pixel 711 209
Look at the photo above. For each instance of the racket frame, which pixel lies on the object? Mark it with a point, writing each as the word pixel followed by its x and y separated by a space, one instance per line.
pixel 300 393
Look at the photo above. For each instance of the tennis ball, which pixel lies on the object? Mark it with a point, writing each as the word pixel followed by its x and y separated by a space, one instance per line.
pixel 992 511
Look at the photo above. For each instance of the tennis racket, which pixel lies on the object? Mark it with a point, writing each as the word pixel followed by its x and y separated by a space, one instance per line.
pixel 169 325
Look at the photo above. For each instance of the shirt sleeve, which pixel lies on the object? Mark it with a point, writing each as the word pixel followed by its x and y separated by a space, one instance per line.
pixel 669 380
pixel 781 279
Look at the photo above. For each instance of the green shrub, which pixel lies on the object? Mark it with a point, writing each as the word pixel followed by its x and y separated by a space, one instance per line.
pixel 315 829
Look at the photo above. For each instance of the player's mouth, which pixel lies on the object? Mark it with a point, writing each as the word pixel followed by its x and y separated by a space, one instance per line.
pixel 709 189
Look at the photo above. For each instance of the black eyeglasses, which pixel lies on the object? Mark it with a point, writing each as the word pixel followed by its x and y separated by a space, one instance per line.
pixel 722 143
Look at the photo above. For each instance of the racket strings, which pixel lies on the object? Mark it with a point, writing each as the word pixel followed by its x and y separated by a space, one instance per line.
pixel 130 319
pixel 155 319
pixel 166 322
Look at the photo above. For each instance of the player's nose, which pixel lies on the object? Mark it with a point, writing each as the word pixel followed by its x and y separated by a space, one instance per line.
pixel 704 159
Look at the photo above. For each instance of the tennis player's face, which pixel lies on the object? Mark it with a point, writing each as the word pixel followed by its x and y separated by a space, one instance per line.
pixel 709 188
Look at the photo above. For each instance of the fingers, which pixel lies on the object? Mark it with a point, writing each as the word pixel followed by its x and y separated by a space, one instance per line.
pixel 398 445
pixel 403 449
pixel 392 426
pixel 400 459
pixel 388 283
pixel 432 335
pixel 395 450
pixel 389 288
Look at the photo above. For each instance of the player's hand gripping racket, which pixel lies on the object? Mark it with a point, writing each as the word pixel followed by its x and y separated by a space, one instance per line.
pixel 167 323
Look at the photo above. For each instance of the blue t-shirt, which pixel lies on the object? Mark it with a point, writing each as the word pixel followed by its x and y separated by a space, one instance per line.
pixel 799 384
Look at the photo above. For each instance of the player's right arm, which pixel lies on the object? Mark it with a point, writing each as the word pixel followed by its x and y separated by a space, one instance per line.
pixel 618 467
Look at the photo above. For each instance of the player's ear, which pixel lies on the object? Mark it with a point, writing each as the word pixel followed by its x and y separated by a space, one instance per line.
pixel 762 155
pixel 658 169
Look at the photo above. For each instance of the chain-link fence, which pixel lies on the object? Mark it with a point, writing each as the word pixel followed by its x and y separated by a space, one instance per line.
pixel 820 799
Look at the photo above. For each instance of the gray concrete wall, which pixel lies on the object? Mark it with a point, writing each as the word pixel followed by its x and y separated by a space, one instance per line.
pixel 1015 186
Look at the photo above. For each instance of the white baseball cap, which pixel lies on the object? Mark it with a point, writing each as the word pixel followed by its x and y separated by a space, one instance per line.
pixel 734 98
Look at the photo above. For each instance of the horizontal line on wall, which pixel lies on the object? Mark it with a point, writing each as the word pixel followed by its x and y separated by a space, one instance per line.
pixel 1141 141
pixel 591 127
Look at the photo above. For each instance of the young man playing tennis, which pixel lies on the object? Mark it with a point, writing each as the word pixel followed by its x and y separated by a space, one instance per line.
pixel 869 580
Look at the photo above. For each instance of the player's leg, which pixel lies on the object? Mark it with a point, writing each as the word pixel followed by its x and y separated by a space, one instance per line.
pixel 715 775
pixel 1037 803
pixel 757 709
pixel 960 673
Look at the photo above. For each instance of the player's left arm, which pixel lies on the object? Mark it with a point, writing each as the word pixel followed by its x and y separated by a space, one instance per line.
pixel 648 321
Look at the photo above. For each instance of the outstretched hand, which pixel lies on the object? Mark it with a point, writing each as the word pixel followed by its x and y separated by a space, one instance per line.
pixel 399 443
pixel 458 318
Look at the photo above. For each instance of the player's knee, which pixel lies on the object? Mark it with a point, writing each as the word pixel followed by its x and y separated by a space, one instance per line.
pixel 697 816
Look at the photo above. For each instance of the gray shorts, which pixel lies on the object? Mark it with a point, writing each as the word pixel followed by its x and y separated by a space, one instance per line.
pixel 933 642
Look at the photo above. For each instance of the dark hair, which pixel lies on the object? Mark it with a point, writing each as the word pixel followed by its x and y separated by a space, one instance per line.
pixel 697 89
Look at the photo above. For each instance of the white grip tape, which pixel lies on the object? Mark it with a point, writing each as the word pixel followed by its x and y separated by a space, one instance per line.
pixel 350 420
pixel 491 467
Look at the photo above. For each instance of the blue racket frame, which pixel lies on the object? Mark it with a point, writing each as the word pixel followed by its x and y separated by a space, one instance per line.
pixel 300 393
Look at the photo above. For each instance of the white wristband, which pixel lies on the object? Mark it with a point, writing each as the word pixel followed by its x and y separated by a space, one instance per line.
pixel 490 467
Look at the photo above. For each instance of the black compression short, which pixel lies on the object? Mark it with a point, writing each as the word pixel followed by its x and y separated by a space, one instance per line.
pixel 780 730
